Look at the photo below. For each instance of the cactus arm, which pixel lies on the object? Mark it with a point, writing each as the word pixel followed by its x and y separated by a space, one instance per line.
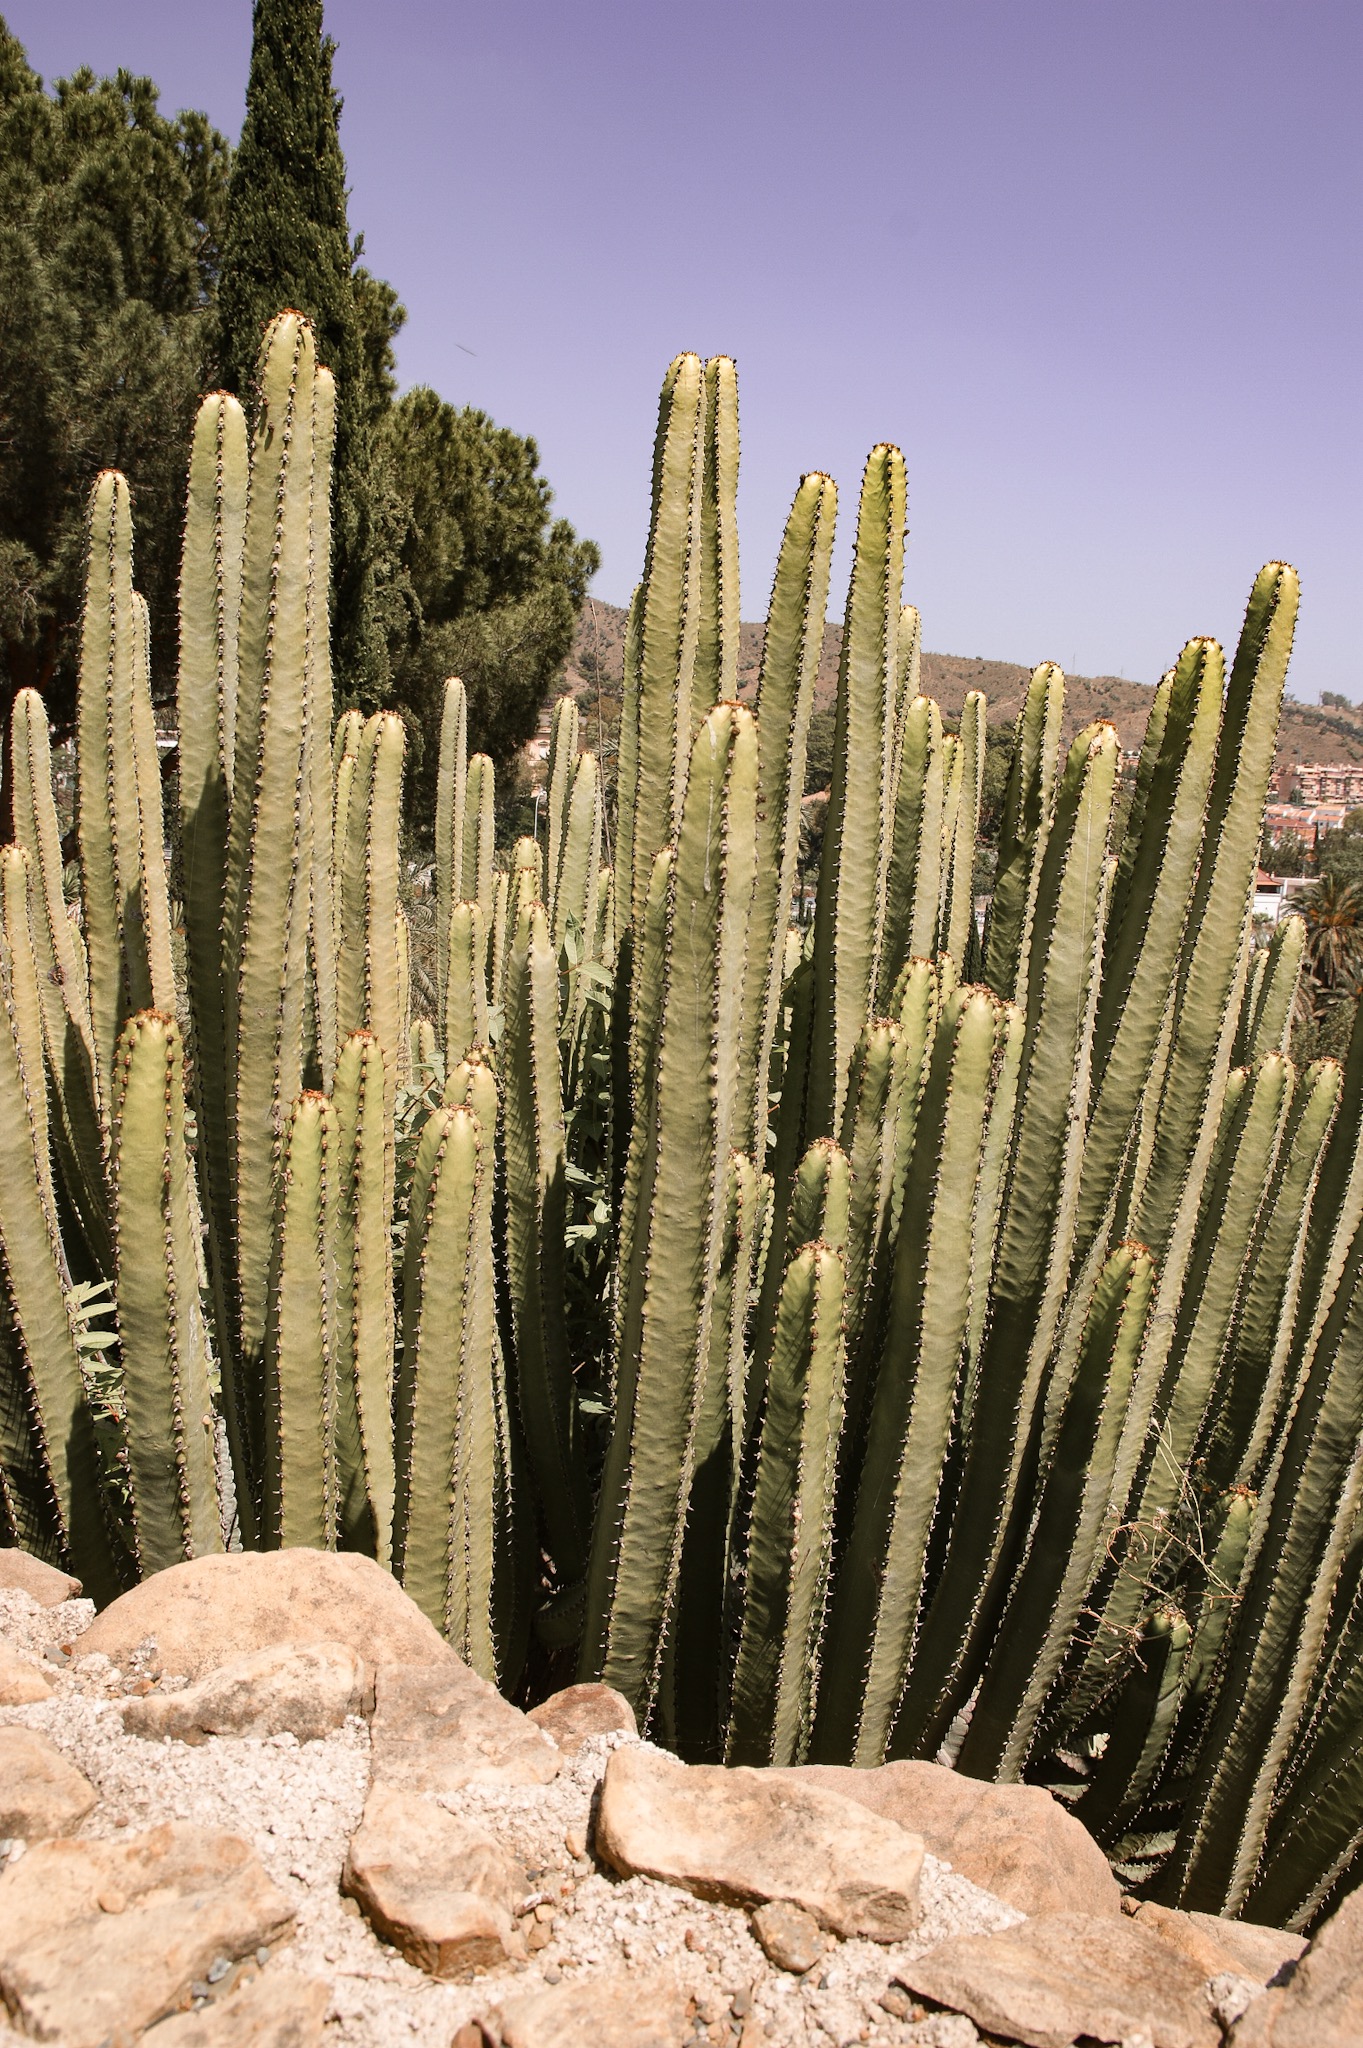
pixel 1251 1396
pixel 61 980
pixel 536 1193
pixel 465 1014
pixel 668 622
pixel 785 696
pixel 580 855
pixel 958 900
pixel 776 1674
pixel 60 1432
pixel 913 881
pixel 264 928
pixel 849 912
pixel 162 1337
pixel 716 669
pixel 1221 897
pixel 476 884
pixel 154 971
pixel 443 1537
pixel 106 659
pixel 1150 1705
pixel 563 744
pixel 364 1297
pixel 627 762
pixel 368 979
pixel 1026 813
pixel 669 1286
pixel 1311 1500
pixel 317 737
pixel 868 1137
pixel 880 1579
pixel 451 784
pixel 301 1504
pixel 1067 1541
pixel 1155 879
pixel 1268 1027
pixel 20 969
pixel 1035 1238
pixel 206 705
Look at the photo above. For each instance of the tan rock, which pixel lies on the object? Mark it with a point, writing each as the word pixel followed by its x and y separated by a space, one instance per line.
pixel 440 1889
pixel 1015 1840
pixel 438 1727
pixel 1065 1976
pixel 213 1609
pixel 21 1681
pixel 1219 1946
pixel 102 1937
pixel 634 2011
pixel 1321 2006
pixel 573 1716
pixel 277 2010
pixel 40 1792
pixel 304 1691
pixel 747 1836
pixel 788 1936
pixel 44 1582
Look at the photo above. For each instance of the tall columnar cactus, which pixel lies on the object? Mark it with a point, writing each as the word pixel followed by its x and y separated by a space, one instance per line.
pixel 778 1329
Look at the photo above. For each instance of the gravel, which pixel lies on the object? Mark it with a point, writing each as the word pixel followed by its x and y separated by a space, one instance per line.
pixel 297 1804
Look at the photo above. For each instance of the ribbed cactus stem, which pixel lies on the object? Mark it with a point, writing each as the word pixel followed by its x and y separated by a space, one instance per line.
pixel 451 785
pixel 476 880
pixel 668 1293
pixel 465 1018
pixel 364 1322
pixel 850 912
pixel 536 1194
pixel 716 671
pixel 776 1676
pixel 301 1503
pixel 266 899
pixel 163 1341
pixel 445 1516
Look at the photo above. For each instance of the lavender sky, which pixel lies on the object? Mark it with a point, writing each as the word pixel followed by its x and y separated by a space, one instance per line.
pixel 1096 268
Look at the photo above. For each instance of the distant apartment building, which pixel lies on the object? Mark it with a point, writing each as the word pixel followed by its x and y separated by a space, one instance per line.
pixel 1320 782
pixel 1307 821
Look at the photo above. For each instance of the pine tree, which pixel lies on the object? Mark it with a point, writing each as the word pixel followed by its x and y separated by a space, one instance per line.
pixel 287 242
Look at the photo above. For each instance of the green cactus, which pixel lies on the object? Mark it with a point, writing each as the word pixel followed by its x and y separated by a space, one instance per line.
pixel 163 1341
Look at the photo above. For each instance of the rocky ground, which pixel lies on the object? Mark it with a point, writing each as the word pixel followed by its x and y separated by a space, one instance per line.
pixel 259 1802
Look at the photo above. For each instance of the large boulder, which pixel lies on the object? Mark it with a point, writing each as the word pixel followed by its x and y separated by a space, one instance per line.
pixel 279 2009
pixel 746 1836
pixel 1321 2005
pixel 21 1682
pixel 213 1609
pixel 1221 1947
pixel 1065 1977
pixel 438 1888
pixel 44 1583
pixel 1017 1841
pixel 40 1792
pixel 579 1712
pixel 641 2010
pixel 305 1692
pixel 439 1727
pixel 100 1939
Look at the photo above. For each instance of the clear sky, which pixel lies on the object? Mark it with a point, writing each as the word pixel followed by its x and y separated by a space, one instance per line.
pixel 1097 268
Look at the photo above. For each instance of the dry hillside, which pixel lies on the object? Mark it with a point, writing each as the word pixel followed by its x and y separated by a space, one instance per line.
pixel 1308 733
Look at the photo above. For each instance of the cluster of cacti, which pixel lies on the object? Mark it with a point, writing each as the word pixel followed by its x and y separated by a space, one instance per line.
pixel 848 1340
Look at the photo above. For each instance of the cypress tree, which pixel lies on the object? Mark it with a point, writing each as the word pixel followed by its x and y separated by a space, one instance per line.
pixel 286 242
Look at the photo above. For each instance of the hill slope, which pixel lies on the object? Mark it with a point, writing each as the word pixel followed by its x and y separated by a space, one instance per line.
pixel 1307 733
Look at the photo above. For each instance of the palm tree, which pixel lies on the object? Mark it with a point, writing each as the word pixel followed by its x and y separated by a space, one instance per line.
pixel 1333 911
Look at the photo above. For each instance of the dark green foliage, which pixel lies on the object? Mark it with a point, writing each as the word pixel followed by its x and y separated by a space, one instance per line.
pixel 286 242
pixel 499 583
pixel 110 223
